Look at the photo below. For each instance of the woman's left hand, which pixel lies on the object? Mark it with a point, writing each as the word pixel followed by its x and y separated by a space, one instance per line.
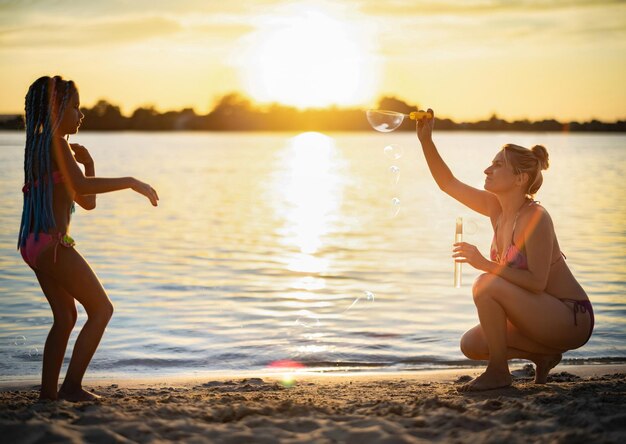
pixel 469 254
pixel 81 154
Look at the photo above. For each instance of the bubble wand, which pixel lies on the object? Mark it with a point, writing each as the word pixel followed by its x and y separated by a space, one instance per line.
pixel 387 121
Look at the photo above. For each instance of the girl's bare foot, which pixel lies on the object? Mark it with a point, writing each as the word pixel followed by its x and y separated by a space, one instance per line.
pixel 43 397
pixel 78 395
pixel 544 364
pixel 489 380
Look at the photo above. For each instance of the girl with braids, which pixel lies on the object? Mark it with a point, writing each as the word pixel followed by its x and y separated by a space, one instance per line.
pixel 53 182
pixel 529 304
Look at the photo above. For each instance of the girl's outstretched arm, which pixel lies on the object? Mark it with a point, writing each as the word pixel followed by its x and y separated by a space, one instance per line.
pixel 95 185
pixel 480 201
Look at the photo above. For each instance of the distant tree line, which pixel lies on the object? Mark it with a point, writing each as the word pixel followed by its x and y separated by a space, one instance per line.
pixel 234 112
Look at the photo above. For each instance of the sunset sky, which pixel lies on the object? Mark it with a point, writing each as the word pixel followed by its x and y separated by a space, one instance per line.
pixel 466 59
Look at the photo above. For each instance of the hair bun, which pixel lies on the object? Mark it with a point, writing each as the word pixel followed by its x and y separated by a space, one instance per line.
pixel 541 153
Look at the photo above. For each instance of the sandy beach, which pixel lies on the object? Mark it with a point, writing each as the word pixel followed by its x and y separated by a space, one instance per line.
pixel 579 404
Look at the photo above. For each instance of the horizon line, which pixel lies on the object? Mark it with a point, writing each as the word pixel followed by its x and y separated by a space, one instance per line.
pixel 264 107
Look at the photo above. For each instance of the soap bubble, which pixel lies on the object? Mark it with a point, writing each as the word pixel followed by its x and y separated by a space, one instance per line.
pixel 384 121
pixel 367 295
pixel 395 206
pixel 470 227
pixel 19 341
pixel 393 151
pixel 308 321
pixel 33 352
pixel 395 174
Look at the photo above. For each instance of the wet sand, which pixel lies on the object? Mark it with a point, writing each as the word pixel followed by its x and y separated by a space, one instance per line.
pixel 579 404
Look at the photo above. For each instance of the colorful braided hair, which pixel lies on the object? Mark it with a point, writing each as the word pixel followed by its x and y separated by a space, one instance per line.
pixel 45 105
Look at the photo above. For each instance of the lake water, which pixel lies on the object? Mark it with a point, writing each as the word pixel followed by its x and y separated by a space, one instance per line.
pixel 272 246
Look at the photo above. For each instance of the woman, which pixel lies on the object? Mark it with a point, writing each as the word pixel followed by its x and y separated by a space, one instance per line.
pixel 53 182
pixel 529 304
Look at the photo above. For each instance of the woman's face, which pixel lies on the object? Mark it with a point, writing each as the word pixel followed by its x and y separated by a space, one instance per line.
pixel 500 177
pixel 72 117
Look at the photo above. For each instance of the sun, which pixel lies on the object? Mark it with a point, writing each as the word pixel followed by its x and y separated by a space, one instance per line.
pixel 306 57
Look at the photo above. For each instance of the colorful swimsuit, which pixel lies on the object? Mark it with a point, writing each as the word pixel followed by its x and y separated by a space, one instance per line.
pixel 514 257
pixel 38 242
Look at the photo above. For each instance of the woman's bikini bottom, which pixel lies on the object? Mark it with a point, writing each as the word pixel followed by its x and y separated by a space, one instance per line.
pixel 583 307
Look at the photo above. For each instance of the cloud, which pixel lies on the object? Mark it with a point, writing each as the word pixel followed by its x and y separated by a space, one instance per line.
pixel 68 34
pixel 523 31
pixel 25 11
pixel 462 7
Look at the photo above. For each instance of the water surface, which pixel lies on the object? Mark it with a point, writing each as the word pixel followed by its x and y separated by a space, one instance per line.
pixel 287 246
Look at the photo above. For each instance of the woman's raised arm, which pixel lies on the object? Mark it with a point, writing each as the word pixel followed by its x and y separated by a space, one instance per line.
pixel 480 201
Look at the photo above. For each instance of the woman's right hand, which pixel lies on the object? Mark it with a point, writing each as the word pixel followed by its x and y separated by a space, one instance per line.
pixel 424 127
pixel 146 190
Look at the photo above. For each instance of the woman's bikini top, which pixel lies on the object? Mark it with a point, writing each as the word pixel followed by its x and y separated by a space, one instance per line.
pixel 57 177
pixel 513 256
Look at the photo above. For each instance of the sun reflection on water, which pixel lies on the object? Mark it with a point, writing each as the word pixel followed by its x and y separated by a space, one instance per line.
pixel 309 191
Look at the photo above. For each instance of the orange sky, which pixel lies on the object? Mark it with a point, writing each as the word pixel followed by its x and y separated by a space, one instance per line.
pixel 524 59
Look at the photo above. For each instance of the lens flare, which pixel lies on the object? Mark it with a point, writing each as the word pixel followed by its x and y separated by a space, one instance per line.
pixel 288 368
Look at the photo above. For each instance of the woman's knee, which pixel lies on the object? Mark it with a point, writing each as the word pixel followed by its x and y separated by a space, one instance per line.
pixel 466 346
pixel 484 286
pixel 472 346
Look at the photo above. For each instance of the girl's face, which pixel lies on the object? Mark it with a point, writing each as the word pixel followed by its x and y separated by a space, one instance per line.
pixel 500 177
pixel 72 117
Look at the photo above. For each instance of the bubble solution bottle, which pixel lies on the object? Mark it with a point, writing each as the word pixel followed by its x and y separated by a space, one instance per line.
pixel 458 237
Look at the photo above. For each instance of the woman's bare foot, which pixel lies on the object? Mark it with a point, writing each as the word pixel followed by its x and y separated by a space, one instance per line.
pixel 544 364
pixel 489 380
pixel 78 395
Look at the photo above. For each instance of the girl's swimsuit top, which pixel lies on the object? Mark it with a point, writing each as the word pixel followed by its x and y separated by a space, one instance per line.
pixel 513 256
pixel 57 177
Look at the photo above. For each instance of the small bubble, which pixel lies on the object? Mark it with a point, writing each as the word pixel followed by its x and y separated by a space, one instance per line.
pixel 309 321
pixel 19 341
pixel 395 206
pixel 393 151
pixel 395 174
pixel 33 352
pixel 352 305
pixel 470 228
pixel 368 295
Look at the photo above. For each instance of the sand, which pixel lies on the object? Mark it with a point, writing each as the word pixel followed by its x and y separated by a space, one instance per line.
pixel 579 404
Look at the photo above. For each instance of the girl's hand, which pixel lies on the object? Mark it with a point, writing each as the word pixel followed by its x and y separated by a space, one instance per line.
pixel 469 254
pixel 81 154
pixel 424 127
pixel 146 190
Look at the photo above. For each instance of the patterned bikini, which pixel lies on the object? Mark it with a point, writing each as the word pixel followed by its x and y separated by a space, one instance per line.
pixel 514 257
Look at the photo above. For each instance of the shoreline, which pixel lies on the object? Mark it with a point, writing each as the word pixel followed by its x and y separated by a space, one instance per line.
pixel 437 375
pixel 578 404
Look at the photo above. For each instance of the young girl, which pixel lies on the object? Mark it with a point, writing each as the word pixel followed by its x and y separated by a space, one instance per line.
pixel 529 304
pixel 53 182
